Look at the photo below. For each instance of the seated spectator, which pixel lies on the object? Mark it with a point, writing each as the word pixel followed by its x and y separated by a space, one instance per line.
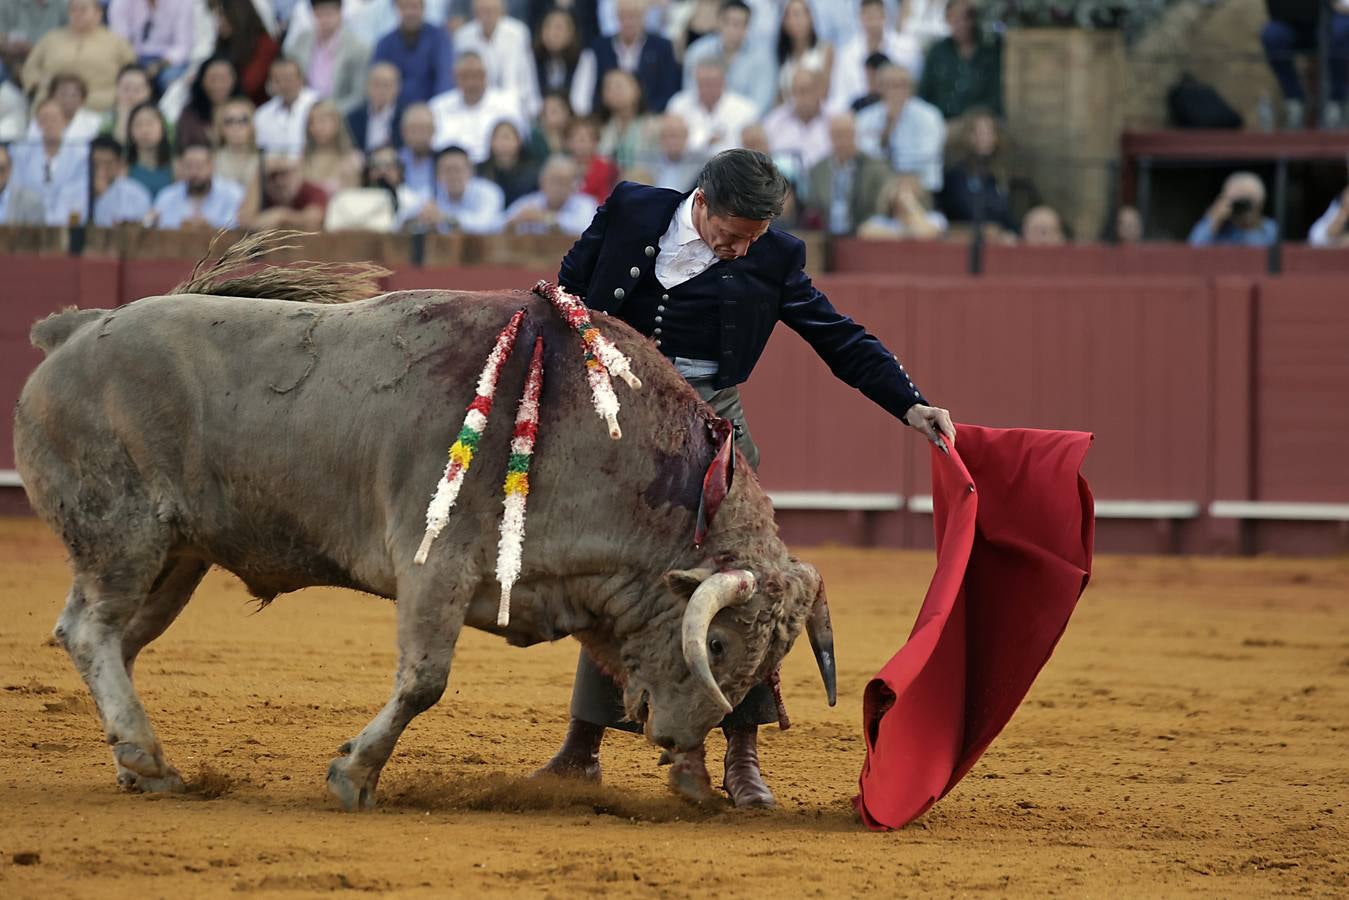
pixel 798 128
pixel 374 123
pixel 117 198
pixel 133 89
pixel 70 92
pixel 873 65
pixel 965 69
pixel 160 32
pixel 462 202
pixel 549 134
pixel 646 56
pixel 849 82
pixel 149 156
pixel 332 57
pixel 506 166
pixel 674 165
pixel 556 206
pixel 201 198
pixel 1126 227
pixel 691 20
pixel 384 170
pixel 625 134
pixel 975 178
pixel 800 48
pixel 84 48
pixel 842 189
pixel 746 65
pixel 21 26
pixel 502 43
pixel 237 157
pixel 903 129
pixel 1291 29
pixel 755 137
pixel 242 38
pixel 286 199
pixel 905 212
pixel 465 115
pixel 1041 226
pixel 19 205
pixel 714 116
pixel 214 84
pixel 422 54
pixel 279 123
pixel 557 52
pixel 1237 216
pixel 1332 229
pixel 598 173
pixel 330 160
pixel 419 160
pixel 369 20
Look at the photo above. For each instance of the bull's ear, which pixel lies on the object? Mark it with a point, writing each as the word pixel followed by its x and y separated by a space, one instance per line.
pixel 683 582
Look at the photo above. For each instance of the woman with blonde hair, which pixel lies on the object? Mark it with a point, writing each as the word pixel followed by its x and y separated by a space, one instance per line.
pixel 905 212
pixel 237 157
pixel 331 160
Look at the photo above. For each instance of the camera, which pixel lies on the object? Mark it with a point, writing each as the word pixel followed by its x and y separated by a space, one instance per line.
pixel 1241 206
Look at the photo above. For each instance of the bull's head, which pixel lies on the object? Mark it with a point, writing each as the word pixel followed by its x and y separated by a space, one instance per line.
pixel 686 669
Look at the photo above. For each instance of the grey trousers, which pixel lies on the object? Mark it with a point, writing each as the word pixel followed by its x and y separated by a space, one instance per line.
pixel 594 696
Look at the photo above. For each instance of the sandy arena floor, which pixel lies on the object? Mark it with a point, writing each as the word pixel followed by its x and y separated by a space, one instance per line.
pixel 1191 735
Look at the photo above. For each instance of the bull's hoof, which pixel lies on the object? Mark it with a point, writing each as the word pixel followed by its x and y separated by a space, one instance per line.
pixel 566 767
pixel 689 779
pixel 352 794
pixel 145 772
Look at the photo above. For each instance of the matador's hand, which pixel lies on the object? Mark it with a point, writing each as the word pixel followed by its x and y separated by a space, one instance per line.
pixel 934 422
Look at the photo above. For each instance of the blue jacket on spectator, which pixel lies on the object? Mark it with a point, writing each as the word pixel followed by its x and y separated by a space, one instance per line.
pixel 657 71
pixel 358 123
pixel 1203 235
pixel 427 65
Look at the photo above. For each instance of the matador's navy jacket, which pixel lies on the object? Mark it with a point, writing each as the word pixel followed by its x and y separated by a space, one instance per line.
pixel 611 266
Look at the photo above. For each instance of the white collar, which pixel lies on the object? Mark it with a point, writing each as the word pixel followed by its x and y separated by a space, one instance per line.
pixel 685 233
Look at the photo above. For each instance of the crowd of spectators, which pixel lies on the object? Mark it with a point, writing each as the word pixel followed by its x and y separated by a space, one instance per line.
pixel 482 116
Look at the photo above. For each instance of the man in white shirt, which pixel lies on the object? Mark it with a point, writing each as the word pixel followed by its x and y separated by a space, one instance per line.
pixel 799 127
pixel 374 123
pixel 504 45
pixel 462 202
pixel 906 131
pixel 466 115
pixel 47 165
pixel 714 115
pixel 18 205
pixel 751 70
pixel 556 206
pixel 199 199
pixel 674 165
pixel 849 80
pixel 280 122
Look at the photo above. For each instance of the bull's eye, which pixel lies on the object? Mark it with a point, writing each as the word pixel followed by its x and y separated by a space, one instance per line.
pixel 716 647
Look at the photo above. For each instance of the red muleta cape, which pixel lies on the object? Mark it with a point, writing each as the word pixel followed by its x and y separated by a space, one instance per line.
pixel 1014 522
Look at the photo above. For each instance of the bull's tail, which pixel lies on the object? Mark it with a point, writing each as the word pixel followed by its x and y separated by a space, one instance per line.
pixel 57 328
pixel 234 273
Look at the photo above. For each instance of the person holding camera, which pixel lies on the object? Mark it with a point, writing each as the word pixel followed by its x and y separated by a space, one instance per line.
pixel 1237 217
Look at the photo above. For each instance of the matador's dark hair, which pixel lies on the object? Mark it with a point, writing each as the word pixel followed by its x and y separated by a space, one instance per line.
pixel 744 184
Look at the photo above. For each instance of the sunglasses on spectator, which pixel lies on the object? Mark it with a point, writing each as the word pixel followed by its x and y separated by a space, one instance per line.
pixel 235 120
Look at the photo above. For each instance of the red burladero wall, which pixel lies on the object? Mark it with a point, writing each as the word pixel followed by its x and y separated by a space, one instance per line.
pixel 1198 388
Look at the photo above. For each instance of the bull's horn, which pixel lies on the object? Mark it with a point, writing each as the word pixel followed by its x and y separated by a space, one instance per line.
pixel 718 591
pixel 821 632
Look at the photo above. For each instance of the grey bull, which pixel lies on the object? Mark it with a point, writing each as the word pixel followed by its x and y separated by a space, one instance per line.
pixel 296 444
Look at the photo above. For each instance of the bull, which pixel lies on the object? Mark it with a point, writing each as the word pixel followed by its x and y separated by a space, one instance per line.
pixel 236 422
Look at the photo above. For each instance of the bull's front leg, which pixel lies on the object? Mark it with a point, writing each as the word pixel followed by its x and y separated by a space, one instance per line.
pixel 429 622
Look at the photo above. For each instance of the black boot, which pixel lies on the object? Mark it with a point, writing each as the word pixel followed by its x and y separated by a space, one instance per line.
pixel 579 755
pixel 743 780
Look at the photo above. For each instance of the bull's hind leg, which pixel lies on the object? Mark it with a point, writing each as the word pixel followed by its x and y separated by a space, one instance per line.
pixel 108 619
pixel 429 621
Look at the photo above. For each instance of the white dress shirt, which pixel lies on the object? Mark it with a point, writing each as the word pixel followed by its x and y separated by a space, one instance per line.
pixel 683 254
pixel 716 129
pixel 280 128
pixel 508 56
pixel 807 142
pixel 471 127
